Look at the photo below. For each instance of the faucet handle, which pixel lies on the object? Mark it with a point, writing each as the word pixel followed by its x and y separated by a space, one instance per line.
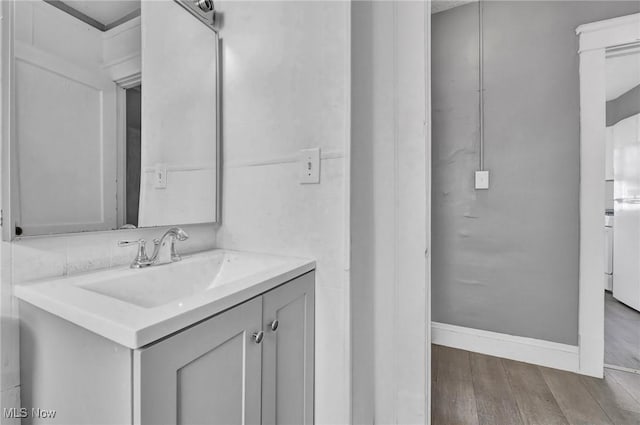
pixel 127 243
pixel 141 257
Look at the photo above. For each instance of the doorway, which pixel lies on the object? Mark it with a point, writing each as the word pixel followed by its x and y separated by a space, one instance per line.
pixel 600 42
pixel 622 213
pixel 133 154
pixel 129 143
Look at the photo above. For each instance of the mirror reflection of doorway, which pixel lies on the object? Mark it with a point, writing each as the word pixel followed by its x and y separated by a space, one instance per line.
pixel 132 186
pixel 622 214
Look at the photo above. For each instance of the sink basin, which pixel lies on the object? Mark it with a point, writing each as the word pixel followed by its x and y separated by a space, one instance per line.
pixel 158 285
pixel 135 307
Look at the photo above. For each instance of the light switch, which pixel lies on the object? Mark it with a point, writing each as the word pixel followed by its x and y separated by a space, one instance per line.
pixel 482 179
pixel 160 177
pixel 310 166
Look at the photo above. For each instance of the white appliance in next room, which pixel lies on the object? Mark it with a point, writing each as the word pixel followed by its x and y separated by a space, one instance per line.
pixel 626 243
pixel 608 249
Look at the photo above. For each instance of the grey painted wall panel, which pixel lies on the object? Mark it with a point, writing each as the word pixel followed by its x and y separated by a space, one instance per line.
pixel 624 106
pixel 506 259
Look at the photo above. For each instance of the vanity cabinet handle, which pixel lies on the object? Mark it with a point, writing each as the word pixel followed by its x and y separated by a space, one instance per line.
pixel 274 325
pixel 257 337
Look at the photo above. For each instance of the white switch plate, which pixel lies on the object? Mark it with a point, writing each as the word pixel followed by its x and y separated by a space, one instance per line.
pixel 160 177
pixel 482 180
pixel 310 166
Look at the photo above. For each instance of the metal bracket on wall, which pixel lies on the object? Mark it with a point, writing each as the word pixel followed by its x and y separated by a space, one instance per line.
pixel 203 10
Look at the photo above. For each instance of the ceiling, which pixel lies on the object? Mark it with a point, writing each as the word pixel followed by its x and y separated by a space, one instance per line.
pixel 622 73
pixel 442 5
pixel 105 12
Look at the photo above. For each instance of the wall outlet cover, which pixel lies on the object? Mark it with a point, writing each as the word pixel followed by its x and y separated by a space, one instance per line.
pixel 310 166
pixel 482 180
pixel 160 177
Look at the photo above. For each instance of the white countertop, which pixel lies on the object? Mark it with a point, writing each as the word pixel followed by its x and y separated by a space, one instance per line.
pixel 135 307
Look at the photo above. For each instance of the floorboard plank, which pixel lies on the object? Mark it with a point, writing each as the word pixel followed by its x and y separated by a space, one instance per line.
pixel 630 381
pixel 494 399
pixel 471 388
pixel 577 404
pixel 622 334
pixel 534 398
pixel 454 402
pixel 614 399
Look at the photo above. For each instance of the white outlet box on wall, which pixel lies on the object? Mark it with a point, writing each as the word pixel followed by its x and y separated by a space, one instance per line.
pixel 160 177
pixel 482 180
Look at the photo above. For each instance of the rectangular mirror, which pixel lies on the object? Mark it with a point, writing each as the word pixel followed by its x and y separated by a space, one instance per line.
pixel 114 112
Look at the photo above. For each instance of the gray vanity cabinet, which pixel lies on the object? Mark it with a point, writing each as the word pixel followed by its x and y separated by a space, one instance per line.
pixel 288 353
pixel 236 367
pixel 224 371
pixel 208 374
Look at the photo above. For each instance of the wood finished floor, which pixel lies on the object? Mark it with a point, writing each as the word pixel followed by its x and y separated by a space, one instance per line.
pixel 621 334
pixel 474 389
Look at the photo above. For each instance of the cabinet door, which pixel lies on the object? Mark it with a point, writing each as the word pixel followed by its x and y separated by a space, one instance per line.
pixel 287 357
pixel 208 374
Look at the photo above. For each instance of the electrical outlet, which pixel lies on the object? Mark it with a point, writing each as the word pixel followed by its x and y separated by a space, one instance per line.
pixel 310 166
pixel 482 179
pixel 160 177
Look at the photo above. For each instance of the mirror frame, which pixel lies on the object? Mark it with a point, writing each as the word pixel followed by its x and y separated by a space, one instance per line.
pixel 9 199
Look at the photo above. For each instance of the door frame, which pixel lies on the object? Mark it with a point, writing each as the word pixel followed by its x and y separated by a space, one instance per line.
pixel 122 85
pixel 594 40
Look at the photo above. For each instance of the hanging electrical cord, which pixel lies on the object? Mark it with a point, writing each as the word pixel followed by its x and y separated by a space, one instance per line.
pixel 481 80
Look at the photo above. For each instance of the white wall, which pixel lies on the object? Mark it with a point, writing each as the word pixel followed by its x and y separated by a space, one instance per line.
pixel 65 71
pixel 389 212
pixel 65 123
pixel 286 88
pixel 178 116
pixel 121 50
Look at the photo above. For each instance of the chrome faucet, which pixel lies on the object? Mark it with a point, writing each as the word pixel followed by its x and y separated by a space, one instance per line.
pixel 164 249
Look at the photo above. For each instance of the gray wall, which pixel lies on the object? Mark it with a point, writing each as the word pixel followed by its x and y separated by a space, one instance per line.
pixel 506 259
pixel 624 106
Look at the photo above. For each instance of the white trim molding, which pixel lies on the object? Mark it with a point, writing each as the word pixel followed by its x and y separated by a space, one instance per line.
pixel 595 39
pixel 529 350
pixel 622 368
pixel 609 33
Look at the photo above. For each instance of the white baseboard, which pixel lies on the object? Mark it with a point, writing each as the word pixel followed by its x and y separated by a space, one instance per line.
pixel 528 350
pixel 621 368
